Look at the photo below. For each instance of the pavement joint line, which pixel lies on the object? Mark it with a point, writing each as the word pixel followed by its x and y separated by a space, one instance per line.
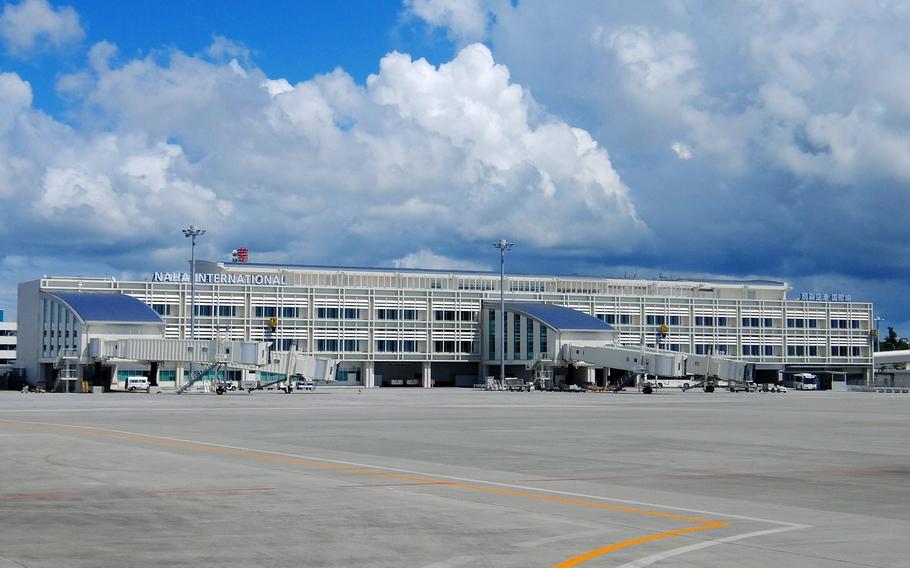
pixel 34 496
pixel 354 486
pixel 465 483
pixel 190 491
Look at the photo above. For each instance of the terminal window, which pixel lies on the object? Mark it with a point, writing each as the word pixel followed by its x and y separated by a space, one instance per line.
pixel 162 309
pixel 516 336
pixel 660 320
pixel 491 333
pixel 203 310
pixel 266 311
pixel 227 311
pixel 452 347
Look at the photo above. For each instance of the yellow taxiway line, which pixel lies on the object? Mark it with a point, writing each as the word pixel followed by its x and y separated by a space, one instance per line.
pixel 701 524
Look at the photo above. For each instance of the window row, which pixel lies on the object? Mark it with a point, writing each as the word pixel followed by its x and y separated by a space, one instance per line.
pixel 757 350
pixel 58 333
pixel 453 347
pixel 454 315
pixel 395 314
pixel 810 323
pixel 661 320
pixel 613 319
pixel 396 346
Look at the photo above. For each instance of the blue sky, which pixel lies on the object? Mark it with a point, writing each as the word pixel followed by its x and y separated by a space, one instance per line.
pixel 683 138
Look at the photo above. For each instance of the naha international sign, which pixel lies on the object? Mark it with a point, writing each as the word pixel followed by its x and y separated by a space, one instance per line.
pixel 223 278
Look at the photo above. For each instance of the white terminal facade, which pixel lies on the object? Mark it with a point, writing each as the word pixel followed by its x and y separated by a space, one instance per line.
pixel 7 344
pixel 401 327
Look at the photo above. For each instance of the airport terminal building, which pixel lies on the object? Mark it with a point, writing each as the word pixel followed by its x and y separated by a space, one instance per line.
pixel 409 327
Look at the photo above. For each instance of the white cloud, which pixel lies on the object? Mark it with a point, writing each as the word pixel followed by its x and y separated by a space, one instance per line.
pixel 225 49
pixel 465 20
pixel 658 63
pixel 34 25
pixel 324 170
pixel 798 114
pixel 682 151
pixel 427 259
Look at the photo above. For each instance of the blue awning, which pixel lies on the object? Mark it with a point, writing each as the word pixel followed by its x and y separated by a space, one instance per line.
pixel 107 307
pixel 559 317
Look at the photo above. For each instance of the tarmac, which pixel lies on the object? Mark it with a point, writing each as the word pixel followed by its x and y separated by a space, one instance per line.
pixel 446 478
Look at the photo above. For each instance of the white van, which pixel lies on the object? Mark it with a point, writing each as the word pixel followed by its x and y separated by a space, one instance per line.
pixel 137 383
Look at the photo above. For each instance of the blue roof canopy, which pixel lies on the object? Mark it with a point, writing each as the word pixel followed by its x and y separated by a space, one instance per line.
pixel 559 317
pixel 94 306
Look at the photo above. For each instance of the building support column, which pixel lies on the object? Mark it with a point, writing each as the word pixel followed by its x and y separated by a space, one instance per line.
pixel 426 379
pixel 178 377
pixel 153 374
pixel 369 378
pixel 589 375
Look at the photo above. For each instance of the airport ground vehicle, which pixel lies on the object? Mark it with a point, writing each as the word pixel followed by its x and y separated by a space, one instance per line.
pixel 137 383
pixel 669 383
pixel 516 384
pixel 805 381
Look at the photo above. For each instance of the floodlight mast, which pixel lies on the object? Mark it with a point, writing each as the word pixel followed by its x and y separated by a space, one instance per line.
pixel 503 245
pixel 192 233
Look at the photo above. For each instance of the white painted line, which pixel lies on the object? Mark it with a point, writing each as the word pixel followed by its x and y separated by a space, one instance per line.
pixel 418 473
pixel 649 560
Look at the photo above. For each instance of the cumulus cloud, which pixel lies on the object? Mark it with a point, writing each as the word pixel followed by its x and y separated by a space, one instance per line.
pixel 35 25
pixel 421 157
pixel 427 259
pixel 798 113
pixel 465 20
pixel 682 151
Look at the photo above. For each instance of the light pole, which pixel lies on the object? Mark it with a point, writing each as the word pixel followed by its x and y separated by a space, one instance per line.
pixel 192 233
pixel 877 319
pixel 503 245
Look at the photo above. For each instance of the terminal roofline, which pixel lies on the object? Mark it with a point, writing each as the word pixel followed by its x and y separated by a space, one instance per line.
pixel 459 272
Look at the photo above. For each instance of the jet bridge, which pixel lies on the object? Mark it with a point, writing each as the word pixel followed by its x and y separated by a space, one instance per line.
pixel 209 355
pixel 668 364
pixel 706 369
